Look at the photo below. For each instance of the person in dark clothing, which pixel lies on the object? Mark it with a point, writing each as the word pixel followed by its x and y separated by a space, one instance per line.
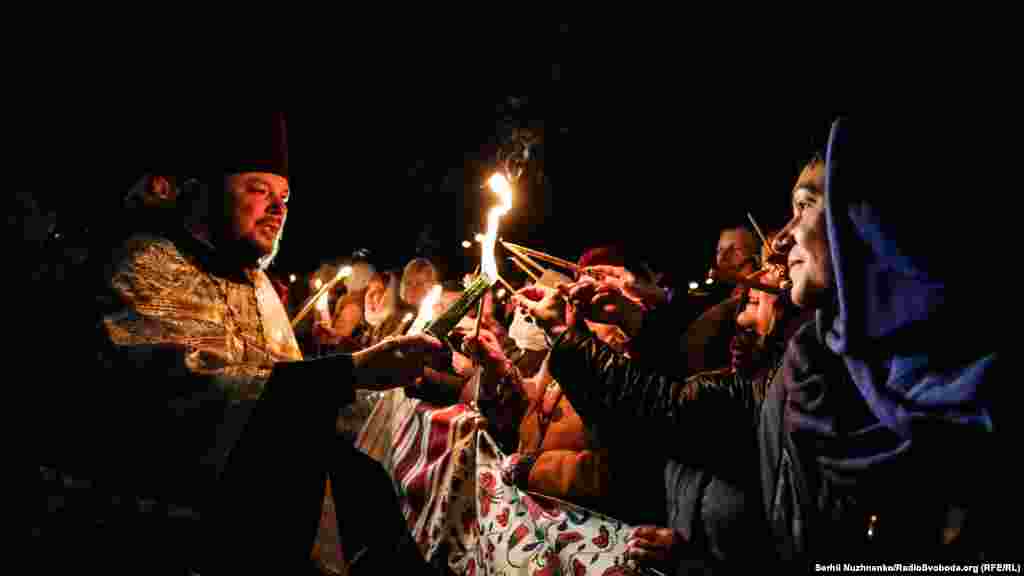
pixel 200 399
pixel 873 429
pixel 711 492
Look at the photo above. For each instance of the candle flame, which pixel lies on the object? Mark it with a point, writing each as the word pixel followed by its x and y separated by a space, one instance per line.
pixel 318 283
pixel 426 312
pixel 345 272
pixel 488 265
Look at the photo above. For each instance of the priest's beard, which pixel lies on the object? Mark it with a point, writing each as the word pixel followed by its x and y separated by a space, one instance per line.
pixel 246 252
pixel 210 220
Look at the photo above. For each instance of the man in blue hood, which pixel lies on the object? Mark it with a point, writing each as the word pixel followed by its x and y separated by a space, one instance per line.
pixel 876 427
pixel 878 400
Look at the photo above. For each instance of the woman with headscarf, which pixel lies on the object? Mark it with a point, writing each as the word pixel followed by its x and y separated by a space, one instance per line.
pixel 380 309
pixel 380 320
pixel 339 335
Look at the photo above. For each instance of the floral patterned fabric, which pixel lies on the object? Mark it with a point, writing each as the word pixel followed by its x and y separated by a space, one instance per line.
pixel 462 509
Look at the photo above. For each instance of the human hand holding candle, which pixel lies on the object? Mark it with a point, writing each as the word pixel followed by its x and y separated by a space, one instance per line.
pixel 647 294
pixel 547 306
pixel 486 349
pixel 607 303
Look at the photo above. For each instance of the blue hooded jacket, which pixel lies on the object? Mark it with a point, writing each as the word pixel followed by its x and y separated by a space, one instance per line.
pixel 888 397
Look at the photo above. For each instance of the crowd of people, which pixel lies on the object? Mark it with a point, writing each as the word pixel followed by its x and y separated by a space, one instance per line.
pixel 820 411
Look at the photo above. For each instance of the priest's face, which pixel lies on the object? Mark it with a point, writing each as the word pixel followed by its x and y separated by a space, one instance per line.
pixel 805 239
pixel 257 206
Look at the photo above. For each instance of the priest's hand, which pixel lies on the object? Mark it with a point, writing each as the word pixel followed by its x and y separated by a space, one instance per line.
pixel 395 362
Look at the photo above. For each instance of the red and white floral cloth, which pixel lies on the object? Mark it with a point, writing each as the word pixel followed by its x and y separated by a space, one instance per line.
pixel 449 475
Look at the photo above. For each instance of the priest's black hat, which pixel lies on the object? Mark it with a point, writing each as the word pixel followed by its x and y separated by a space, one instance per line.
pixel 232 143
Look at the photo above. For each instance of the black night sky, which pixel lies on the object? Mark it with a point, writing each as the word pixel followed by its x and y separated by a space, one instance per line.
pixel 374 173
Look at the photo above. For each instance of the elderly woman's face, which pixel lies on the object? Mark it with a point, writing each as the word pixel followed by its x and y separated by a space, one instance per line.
pixel 375 293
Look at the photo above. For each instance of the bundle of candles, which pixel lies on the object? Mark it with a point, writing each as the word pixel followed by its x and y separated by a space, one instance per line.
pixel 443 327
pixel 523 257
pixel 525 262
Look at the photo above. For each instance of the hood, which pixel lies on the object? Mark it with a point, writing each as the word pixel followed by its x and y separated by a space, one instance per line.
pixel 903 318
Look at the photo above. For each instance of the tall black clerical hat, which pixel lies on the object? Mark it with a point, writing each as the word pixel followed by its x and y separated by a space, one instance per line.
pixel 242 142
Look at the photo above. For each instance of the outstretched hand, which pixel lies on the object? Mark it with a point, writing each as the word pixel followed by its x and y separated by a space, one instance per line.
pixel 655 545
pixel 607 303
pixel 546 305
pixel 396 361
pixel 648 294
pixel 486 349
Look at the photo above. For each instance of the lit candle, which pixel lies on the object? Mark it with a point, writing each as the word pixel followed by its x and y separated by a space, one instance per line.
pixel 426 312
pixel 443 325
pixel 319 298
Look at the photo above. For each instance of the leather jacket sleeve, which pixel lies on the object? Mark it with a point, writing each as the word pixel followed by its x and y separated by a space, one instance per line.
pixel 602 385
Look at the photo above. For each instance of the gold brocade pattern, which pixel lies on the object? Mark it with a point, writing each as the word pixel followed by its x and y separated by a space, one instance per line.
pixel 236 328
pixel 231 327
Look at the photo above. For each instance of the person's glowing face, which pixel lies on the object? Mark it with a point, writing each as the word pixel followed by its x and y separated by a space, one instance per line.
pixel 257 207
pixel 735 248
pixel 805 239
pixel 417 286
pixel 375 295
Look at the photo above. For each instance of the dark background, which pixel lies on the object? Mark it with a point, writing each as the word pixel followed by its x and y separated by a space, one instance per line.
pixel 398 174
